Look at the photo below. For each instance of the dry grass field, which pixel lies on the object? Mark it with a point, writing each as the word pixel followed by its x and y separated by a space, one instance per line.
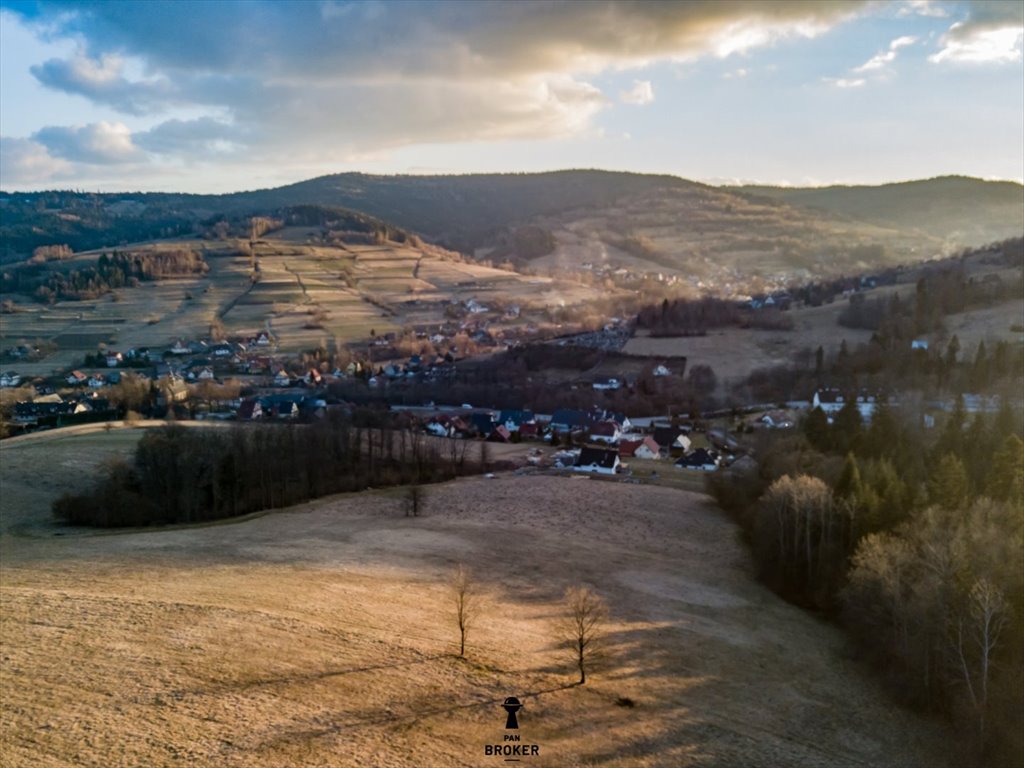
pixel 323 635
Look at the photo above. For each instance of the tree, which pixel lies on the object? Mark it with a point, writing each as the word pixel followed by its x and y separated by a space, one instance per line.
pixel 414 501
pixel 974 634
pixel 948 485
pixel 582 628
pixel 1006 478
pixel 466 599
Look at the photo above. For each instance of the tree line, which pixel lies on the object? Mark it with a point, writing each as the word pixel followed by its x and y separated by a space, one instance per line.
pixel 695 317
pixel 110 272
pixel 181 475
pixel 914 540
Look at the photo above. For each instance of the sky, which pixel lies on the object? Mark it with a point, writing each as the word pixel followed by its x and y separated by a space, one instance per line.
pixel 219 96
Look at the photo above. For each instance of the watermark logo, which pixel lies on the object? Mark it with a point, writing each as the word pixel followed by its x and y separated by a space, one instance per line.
pixel 512 705
pixel 512 748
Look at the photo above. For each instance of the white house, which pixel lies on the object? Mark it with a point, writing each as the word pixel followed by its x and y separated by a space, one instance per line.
pixel 599 460
pixel 10 379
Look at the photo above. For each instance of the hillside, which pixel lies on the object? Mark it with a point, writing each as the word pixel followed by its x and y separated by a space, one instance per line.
pixel 323 635
pixel 958 208
pixel 645 223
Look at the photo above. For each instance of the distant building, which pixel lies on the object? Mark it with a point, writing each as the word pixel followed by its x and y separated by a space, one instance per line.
pixel 603 462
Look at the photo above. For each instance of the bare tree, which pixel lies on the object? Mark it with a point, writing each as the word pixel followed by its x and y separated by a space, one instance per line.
pixel 974 636
pixel 414 501
pixel 582 627
pixel 467 601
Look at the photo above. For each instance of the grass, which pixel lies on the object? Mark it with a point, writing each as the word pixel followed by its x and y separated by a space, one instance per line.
pixel 322 635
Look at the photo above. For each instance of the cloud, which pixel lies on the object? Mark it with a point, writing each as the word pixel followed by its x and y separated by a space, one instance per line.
pixel 880 60
pixel 923 8
pixel 991 34
pixel 312 82
pixel 736 74
pixel 99 143
pixel 101 80
pixel 204 135
pixel 641 93
pixel 23 161
pixel 843 82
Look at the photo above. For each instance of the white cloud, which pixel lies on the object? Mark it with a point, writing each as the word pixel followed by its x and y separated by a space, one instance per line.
pixel 988 46
pixel 641 93
pixel 923 8
pixel 736 74
pixel 880 60
pixel 26 162
pixel 843 82
pixel 992 33
pixel 99 143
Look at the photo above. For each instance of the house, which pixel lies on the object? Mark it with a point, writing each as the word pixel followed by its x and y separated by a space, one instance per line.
pixel 282 379
pixel 250 410
pixel 567 420
pixel 724 441
pixel 10 379
pixel 700 460
pixel 671 438
pixel 599 460
pixel 610 384
pixel 605 432
pixel 174 390
pixel 205 374
pixel 180 348
pixel 829 399
pixel 114 359
pixel 514 420
pixel 529 431
pixel 661 370
pixel 97 380
pixel 919 344
pixel 499 435
pixel 643 448
pixel 313 378
pixel 262 340
pixel 777 420
pixel 285 410
pixel 436 428
pixel 482 422
pixel 76 378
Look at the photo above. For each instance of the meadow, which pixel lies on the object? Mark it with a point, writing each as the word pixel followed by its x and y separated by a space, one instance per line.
pixel 324 635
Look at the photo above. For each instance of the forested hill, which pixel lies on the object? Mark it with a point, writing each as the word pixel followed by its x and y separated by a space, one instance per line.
pixel 475 211
pixel 959 208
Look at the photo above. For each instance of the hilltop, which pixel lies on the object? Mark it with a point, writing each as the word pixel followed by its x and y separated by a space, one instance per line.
pixel 646 223
pixel 959 208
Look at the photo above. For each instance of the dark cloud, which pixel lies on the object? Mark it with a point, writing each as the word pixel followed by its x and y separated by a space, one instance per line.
pixel 102 81
pixel 203 135
pixel 335 79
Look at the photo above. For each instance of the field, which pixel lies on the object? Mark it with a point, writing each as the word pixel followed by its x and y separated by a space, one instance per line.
pixel 734 352
pixel 307 295
pixel 323 635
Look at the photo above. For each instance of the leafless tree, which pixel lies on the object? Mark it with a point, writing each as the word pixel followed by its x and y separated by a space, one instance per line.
pixel 414 500
pixel 974 635
pixel 467 602
pixel 582 628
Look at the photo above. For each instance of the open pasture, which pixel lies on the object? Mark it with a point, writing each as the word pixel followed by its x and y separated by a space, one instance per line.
pixel 323 635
